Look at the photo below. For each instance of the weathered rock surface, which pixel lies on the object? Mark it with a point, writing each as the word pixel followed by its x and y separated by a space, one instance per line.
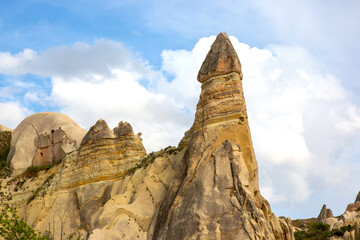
pixel 215 194
pixel 324 214
pixel 207 188
pixel 123 128
pixel 99 131
pixel 43 138
pixel 221 59
pixel 70 197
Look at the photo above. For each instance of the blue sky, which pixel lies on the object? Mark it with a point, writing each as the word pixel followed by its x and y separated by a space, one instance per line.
pixel 137 61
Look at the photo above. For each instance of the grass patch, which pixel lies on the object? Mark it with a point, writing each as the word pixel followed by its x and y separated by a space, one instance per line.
pixel 150 158
pixel 40 191
pixel 33 171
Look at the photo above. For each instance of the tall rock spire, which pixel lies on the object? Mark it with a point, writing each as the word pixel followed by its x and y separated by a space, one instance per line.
pixel 221 59
pixel 216 193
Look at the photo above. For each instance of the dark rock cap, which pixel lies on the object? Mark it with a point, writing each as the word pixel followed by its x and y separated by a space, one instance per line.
pixel 221 59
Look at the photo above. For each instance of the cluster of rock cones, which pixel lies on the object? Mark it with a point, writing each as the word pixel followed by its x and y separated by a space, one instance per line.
pixel 106 187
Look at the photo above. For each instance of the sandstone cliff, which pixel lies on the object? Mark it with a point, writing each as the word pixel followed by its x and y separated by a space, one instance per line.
pixel 108 188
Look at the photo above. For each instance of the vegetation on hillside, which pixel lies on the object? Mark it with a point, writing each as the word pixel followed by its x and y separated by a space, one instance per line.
pixel 4 152
pixel 320 231
pixel 13 227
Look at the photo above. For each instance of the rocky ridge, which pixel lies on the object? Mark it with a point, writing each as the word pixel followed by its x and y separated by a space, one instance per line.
pixel 108 188
pixel 343 227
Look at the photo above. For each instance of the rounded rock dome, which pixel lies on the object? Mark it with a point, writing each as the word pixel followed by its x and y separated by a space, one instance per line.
pixel 43 138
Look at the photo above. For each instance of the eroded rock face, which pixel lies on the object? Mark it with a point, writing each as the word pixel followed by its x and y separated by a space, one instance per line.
pixel 324 214
pixel 123 128
pixel 99 131
pixel 43 138
pixel 215 194
pixel 207 188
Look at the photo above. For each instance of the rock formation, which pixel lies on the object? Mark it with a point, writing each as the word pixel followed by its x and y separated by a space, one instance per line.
pixel 123 128
pixel 43 138
pixel 357 199
pixel 324 214
pixel 99 131
pixel 215 194
pixel 108 188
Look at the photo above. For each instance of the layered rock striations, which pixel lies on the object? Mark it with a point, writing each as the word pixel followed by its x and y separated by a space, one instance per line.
pixel 69 197
pixel 216 194
pixel 108 188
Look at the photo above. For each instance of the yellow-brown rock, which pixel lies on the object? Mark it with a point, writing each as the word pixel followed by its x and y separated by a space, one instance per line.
pixel 215 194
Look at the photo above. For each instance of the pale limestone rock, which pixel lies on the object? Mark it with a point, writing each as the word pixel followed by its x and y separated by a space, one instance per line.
pixel 324 214
pixel 346 236
pixel 331 221
pixel 339 224
pixel 29 140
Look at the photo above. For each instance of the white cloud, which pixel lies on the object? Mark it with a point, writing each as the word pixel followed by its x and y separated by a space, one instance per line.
pixel 122 98
pixel 12 113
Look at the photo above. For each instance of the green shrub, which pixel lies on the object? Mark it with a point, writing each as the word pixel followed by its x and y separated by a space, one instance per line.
pixel 13 227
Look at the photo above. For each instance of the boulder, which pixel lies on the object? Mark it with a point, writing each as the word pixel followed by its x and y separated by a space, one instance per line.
pixel 43 138
pixel 97 132
pixel 123 129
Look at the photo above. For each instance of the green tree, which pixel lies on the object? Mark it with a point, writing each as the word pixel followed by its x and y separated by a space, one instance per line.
pixel 13 227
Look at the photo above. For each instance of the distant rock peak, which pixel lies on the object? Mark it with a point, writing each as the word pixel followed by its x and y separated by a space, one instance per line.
pixel 324 214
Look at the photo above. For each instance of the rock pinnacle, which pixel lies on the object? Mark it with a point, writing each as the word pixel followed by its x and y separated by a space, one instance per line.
pixel 221 59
